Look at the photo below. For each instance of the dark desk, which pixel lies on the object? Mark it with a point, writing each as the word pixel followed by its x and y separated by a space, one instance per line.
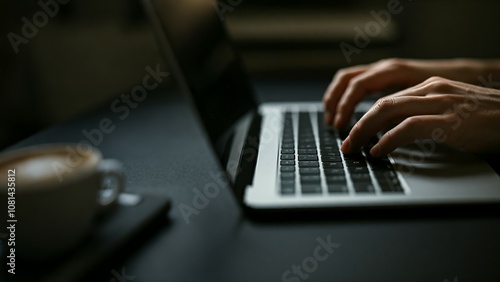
pixel 164 153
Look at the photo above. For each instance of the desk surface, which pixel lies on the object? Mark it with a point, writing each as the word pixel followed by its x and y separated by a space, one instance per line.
pixel 164 153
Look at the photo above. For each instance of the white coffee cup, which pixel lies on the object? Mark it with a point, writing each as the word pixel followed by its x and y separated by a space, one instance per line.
pixel 58 191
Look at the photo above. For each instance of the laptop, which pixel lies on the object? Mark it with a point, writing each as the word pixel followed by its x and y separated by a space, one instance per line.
pixel 281 156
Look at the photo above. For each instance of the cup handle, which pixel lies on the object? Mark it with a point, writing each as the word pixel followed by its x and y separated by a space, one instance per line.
pixel 112 179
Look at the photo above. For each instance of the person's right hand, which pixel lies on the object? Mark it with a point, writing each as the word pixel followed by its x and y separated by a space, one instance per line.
pixel 350 85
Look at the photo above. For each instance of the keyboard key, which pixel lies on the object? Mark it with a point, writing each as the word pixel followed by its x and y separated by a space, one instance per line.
pixel 309 170
pixel 309 140
pixel 354 156
pixel 385 174
pixel 336 179
pixel 288 175
pixel 287 189
pixel 363 187
pixel 287 157
pixel 287 140
pixel 329 147
pixel 337 188
pixel 307 146
pixel 308 158
pixel 389 182
pixel 311 189
pixel 308 151
pixel 357 169
pixel 337 184
pixel 331 158
pixel 308 164
pixel 381 165
pixel 391 188
pixel 334 171
pixel 287 168
pixel 330 153
pixel 287 163
pixel 331 132
pixel 333 165
pixel 354 163
pixel 290 181
pixel 287 151
pixel 328 136
pixel 370 159
pixel 360 177
pixel 287 146
pixel 310 179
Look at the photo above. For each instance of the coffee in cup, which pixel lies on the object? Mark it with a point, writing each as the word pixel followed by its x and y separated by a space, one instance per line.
pixel 51 194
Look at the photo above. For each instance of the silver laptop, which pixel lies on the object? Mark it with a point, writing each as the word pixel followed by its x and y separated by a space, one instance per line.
pixel 281 156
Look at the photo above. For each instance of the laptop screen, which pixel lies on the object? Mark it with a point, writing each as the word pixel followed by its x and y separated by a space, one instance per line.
pixel 203 61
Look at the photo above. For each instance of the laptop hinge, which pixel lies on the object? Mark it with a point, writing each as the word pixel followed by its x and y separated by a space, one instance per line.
pixel 248 157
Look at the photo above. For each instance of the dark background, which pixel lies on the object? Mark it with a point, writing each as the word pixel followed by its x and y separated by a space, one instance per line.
pixel 92 51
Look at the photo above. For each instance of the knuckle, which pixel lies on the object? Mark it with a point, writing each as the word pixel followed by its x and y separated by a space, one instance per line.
pixel 449 118
pixel 437 83
pixel 392 63
pixel 444 102
pixel 384 104
pixel 341 74
pixel 356 83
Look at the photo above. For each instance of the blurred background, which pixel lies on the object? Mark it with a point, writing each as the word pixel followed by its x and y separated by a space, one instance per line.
pixel 91 51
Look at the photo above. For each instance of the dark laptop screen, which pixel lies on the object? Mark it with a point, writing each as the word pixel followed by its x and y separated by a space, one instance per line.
pixel 203 60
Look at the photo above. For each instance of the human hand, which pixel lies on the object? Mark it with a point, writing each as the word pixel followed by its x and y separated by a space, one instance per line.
pixel 349 86
pixel 459 114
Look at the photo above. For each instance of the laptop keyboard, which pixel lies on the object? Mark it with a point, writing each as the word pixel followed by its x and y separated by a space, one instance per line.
pixel 311 162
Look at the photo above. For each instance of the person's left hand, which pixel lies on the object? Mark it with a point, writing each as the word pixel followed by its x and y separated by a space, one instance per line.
pixel 459 114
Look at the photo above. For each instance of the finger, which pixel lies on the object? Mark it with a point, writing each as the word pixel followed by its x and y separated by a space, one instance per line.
pixel 410 130
pixel 337 88
pixel 374 79
pixel 435 85
pixel 390 110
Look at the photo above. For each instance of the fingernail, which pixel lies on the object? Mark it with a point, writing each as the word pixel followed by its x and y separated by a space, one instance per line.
pixel 375 151
pixel 346 145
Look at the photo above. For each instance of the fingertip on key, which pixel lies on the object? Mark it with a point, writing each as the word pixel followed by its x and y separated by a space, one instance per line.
pixel 375 151
pixel 346 145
